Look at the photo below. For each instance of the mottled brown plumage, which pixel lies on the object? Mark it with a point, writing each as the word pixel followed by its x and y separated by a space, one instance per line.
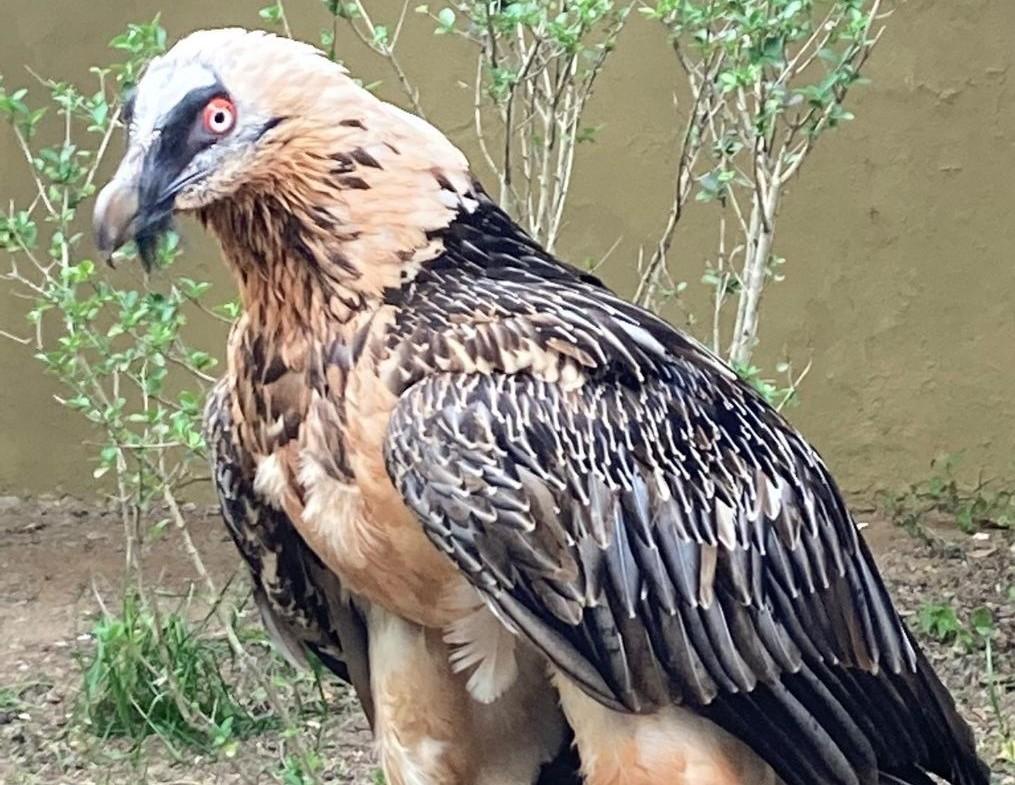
pixel 491 492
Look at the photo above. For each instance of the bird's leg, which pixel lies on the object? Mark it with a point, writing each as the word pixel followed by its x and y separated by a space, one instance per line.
pixel 429 729
pixel 419 719
pixel 672 746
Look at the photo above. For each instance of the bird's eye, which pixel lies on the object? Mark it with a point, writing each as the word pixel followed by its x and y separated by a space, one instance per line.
pixel 219 116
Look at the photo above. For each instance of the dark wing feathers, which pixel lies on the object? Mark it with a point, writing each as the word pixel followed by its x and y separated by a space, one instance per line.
pixel 301 602
pixel 657 530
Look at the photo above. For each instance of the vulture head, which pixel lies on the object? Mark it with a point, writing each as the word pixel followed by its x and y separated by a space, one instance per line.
pixel 286 158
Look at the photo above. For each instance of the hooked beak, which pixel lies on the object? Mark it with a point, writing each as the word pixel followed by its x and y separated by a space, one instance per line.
pixel 134 205
pixel 116 211
pixel 138 204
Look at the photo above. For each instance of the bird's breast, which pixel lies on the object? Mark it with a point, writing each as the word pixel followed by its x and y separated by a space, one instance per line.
pixel 358 524
pixel 314 413
pixel 364 532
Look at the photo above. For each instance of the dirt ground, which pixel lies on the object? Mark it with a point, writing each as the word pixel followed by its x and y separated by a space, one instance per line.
pixel 58 555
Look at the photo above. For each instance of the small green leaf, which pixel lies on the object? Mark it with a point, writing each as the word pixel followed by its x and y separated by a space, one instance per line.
pixel 982 622
pixel 271 13
pixel 446 20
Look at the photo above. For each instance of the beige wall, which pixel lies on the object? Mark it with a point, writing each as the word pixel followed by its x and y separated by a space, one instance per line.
pixel 900 272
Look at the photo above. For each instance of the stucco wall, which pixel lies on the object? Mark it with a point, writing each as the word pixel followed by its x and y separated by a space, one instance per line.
pixel 899 237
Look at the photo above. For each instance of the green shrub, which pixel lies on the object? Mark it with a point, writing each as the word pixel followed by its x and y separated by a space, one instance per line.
pixel 157 675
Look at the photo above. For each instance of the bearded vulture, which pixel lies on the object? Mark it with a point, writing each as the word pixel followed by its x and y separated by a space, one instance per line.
pixel 518 512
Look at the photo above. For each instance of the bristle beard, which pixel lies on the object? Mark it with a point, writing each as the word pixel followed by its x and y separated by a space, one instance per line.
pixel 148 237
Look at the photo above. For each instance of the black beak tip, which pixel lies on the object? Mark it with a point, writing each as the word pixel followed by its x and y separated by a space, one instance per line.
pixel 107 245
pixel 105 242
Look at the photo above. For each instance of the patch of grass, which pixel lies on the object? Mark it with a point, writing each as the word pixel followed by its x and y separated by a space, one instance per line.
pixel 157 675
pixel 941 622
pixel 15 697
pixel 9 698
pixel 300 769
pixel 983 505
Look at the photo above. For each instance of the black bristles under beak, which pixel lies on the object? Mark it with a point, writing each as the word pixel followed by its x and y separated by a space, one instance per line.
pixel 147 240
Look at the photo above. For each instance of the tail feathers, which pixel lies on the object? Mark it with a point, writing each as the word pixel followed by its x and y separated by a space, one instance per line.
pixel 959 763
pixel 910 777
pixel 281 633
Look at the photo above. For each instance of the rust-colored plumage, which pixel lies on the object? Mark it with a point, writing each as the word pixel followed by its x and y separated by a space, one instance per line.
pixel 507 505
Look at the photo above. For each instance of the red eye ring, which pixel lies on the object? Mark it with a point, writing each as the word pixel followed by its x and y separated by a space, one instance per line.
pixel 219 116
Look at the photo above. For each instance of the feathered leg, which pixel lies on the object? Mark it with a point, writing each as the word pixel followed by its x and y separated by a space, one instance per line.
pixel 430 731
pixel 671 747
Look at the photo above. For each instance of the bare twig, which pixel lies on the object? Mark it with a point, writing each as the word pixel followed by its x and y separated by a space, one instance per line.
pixel 757 139
pixel 793 384
pixel 698 117
pixel 387 51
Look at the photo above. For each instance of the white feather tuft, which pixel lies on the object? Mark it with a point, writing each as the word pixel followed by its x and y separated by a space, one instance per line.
pixel 270 480
pixel 481 643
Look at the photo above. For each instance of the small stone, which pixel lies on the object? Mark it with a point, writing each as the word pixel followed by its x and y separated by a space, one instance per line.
pixel 8 503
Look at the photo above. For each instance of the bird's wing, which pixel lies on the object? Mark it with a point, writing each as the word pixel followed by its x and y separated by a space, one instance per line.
pixel 673 540
pixel 302 603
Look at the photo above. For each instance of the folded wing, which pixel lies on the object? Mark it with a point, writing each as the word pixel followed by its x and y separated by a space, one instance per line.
pixel 671 539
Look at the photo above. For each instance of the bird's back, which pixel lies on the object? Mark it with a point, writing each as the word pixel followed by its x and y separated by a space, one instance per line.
pixel 496 324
